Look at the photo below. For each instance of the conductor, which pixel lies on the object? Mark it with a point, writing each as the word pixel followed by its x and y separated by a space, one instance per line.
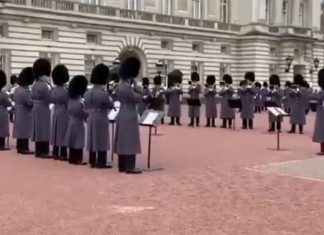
pixel 127 139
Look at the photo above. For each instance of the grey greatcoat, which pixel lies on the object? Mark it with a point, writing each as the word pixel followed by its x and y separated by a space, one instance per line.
pixel 127 138
pixel 174 95
pixel 226 112
pixel 143 105
pixel 194 93
pixel 258 97
pixel 298 107
pixel 22 127
pixel 41 113
pixel 159 93
pixel 318 135
pixel 60 119
pixel 286 98
pixel 248 101
pixel 275 95
pixel 75 132
pixel 264 95
pixel 4 115
pixel 98 103
pixel 211 104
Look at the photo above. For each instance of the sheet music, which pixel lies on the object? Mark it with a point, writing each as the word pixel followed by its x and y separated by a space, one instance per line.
pixel 149 119
pixel 51 106
pixel 114 112
pixel 277 111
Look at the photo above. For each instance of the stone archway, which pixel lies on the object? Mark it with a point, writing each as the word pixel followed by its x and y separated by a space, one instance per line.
pixel 132 51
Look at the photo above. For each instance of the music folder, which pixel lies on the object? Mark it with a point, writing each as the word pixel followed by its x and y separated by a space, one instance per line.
pixel 277 112
pixel 151 117
pixel 234 103
pixel 194 102
pixel 270 104
pixel 112 115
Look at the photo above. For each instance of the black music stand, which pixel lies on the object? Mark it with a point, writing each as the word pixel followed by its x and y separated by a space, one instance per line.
pixel 150 119
pixel 235 103
pixel 313 105
pixel 279 113
pixel 112 119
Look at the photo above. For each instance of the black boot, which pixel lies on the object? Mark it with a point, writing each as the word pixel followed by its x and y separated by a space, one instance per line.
pixel 278 126
pixel 244 124
pixel 224 123
pixel 251 124
pixel 131 165
pixel 79 157
pixel 162 121
pixel 191 122
pixel 25 147
pixel 102 160
pixel 230 121
pixel 272 127
pixel 301 129
pixel 56 153
pixel 121 163
pixel 197 121
pixel 3 144
pixel 38 149
pixel 63 154
pixel 172 121
pixel 208 122
pixel 213 122
pixel 178 121
pixel 72 156
pixel 293 129
pixel 19 146
pixel 92 159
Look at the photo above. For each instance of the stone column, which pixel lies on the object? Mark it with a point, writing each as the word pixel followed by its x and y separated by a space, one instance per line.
pixel 315 15
pixel 262 10
pixel 295 12
pixel 277 12
pixel 233 11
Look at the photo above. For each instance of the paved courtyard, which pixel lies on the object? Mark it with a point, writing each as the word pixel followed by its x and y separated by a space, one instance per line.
pixel 214 182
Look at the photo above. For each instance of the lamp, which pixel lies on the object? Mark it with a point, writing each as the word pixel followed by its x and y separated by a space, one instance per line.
pixel 159 67
pixel 289 60
pixel 316 62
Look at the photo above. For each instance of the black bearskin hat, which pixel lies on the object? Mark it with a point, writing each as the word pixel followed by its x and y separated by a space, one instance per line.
pixel 157 80
pixel 114 75
pixel 129 68
pixel 77 86
pixel 274 80
pixel 243 83
pixel 13 80
pixel 60 75
pixel 175 76
pixel 195 77
pixel 26 77
pixel 265 84
pixel 249 76
pixel 305 84
pixel 227 79
pixel 211 79
pixel 288 84
pixel 42 67
pixel 3 79
pixel 258 84
pixel 145 81
pixel 100 75
pixel 320 77
pixel 298 79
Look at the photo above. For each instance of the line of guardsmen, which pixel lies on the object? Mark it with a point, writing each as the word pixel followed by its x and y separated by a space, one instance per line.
pixel 63 126
pixel 65 131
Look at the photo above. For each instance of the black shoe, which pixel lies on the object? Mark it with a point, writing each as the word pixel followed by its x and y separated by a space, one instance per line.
pixel 104 167
pixel 171 124
pixel 133 171
pixel 291 132
pixel 190 125
pixel 80 163
pixel 4 149
pixel 320 154
pixel 26 152
pixel 121 170
pixel 64 159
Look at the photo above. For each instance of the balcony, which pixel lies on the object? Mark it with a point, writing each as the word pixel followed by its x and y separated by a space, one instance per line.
pixel 75 7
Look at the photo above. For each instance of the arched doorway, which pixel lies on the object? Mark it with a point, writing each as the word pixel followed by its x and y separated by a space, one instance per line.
pixel 138 53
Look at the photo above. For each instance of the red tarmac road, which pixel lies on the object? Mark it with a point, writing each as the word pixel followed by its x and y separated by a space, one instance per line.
pixel 204 189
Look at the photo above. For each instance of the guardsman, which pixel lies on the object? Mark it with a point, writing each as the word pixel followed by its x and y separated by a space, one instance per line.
pixel 75 134
pixel 158 96
pixel 226 92
pixel 41 113
pixel 258 99
pixel 127 139
pixel 14 85
pixel 318 135
pixel 142 106
pixel 22 127
pixel 98 103
pixel 275 95
pixel 286 97
pixel 5 103
pixel 194 99
pixel 264 94
pixel 60 118
pixel 210 95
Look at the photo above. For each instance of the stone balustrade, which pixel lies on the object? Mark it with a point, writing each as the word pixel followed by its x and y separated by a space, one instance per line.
pixel 70 6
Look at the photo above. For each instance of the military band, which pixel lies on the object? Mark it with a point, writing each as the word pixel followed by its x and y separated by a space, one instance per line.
pixel 75 124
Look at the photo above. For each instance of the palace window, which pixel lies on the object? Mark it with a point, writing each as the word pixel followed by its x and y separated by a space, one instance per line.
pixel 132 5
pixel 272 51
pixel 273 69
pixel 92 2
pixel 90 61
pixel 93 38
pixel 225 49
pixel 269 11
pixel 197 47
pixel 223 69
pixel 224 11
pixel 196 9
pixel 286 12
pixel 49 34
pixel 3 30
pixel 51 57
pixel 166 44
pixel 167 7
pixel 301 15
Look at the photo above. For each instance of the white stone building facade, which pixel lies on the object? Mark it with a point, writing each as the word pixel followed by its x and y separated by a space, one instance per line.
pixel 212 37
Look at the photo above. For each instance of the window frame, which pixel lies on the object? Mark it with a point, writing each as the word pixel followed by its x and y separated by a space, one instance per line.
pixel 224 14
pixel 53 31
pixel 97 35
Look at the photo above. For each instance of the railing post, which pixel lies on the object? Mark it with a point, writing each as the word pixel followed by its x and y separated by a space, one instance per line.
pixel 76 7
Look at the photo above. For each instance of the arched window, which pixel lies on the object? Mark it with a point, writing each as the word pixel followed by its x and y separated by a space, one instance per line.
pixel 224 11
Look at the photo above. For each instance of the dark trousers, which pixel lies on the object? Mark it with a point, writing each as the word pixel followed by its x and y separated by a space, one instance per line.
pixel 257 109
pixel 275 126
pixel 98 159
pixel 227 121
pixel 192 121
pixel 293 128
pixel 322 147
pixel 75 156
pixel 2 142
pixel 11 117
pixel 210 122
pixel 60 152
pixel 41 149
pixel 126 162
pixel 287 110
pixel 175 119
pixel 22 145
pixel 162 120
pixel 247 123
